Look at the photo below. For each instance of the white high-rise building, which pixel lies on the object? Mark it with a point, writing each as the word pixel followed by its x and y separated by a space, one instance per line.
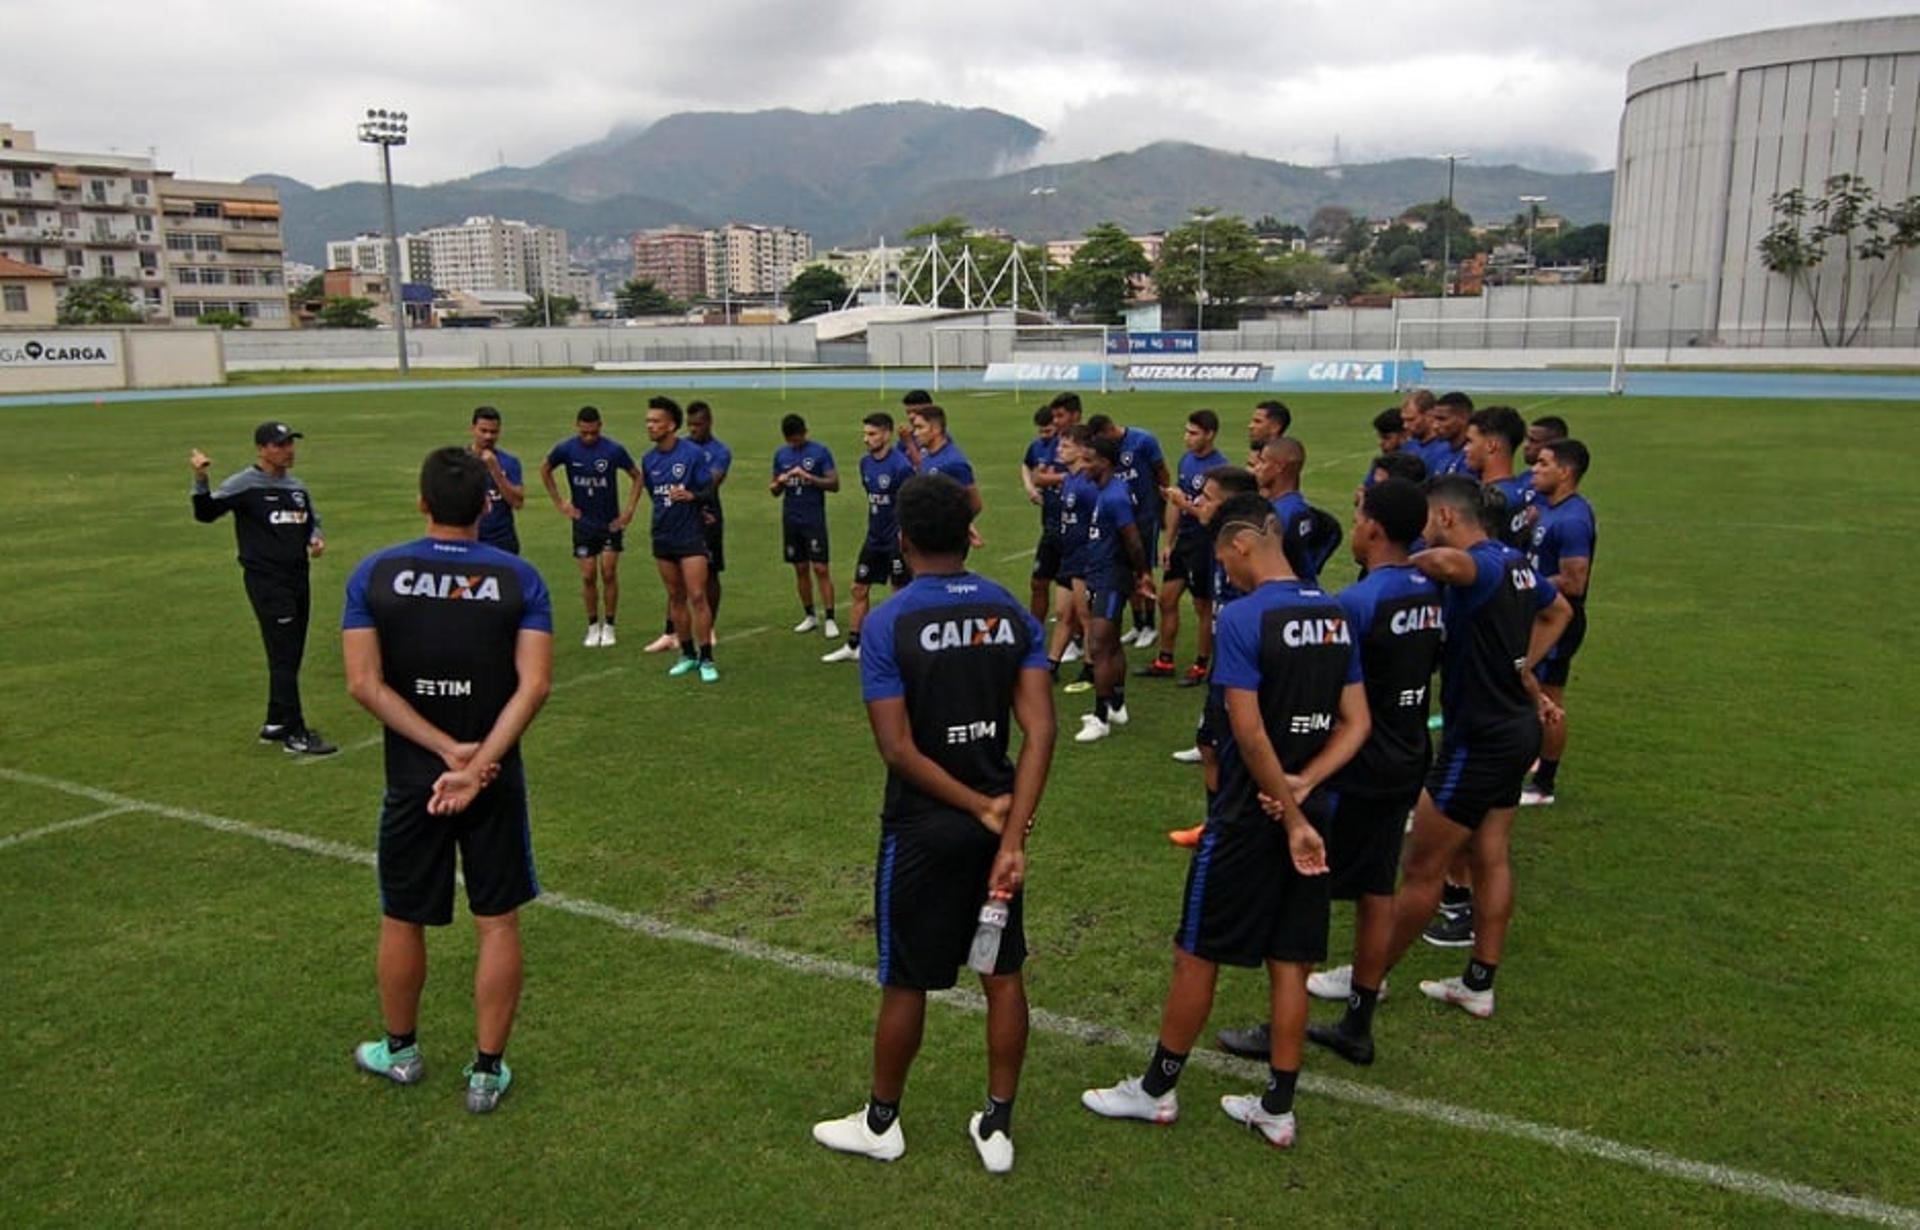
pixel 367 253
pixel 751 260
pixel 498 254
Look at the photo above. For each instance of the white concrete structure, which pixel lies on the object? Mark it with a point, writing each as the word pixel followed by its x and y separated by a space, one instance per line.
pixel 1712 132
pixel 749 260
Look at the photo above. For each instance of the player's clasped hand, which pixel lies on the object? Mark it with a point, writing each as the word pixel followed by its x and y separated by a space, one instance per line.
pixel 1309 852
pixel 994 815
pixel 455 790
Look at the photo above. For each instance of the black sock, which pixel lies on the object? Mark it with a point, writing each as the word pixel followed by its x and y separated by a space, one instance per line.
pixel 1086 672
pixel 997 1117
pixel 399 1042
pixel 1278 1099
pixel 1119 698
pixel 1163 1071
pixel 1163 658
pixel 1200 660
pixel 1544 775
pixel 1456 895
pixel 1100 707
pixel 853 642
pixel 706 653
pixel 830 614
pixel 1479 975
pixel 808 608
pixel 1053 668
pixel 608 621
pixel 1361 1002
pixel 484 1061
pixel 881 1115
pixel 669 631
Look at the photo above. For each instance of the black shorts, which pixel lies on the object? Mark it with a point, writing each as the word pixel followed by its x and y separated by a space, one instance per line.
pixel 1149 538
pixel 1213 719
pixel 685 549
pixel 1245 904
pixel 1553 669
pixel 1047 557
pixel 508 542
pixel 591 539
pixel 1107 596
pixel 1482 771
pixel 1363 841
pixel 716 536
pixel 928 887
pixel 1191 563
pixel 804 544
pixel 880 566
pixel 417 852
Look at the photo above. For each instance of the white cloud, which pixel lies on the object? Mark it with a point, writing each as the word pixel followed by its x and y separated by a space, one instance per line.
pixel 281 89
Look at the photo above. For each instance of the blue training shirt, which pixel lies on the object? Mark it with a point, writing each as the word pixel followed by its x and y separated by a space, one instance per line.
pixel 683 465
pixel 1562 531
pixel 592 471
pixel 719 461
pixel 881 477
pixel 1111 510
pixel 1193 477
pixel 1077 498
pixel 803 503
pixel 1140 456
pixel 496 522
pixel 950 461
pixel 1043 457
pixel 1489 623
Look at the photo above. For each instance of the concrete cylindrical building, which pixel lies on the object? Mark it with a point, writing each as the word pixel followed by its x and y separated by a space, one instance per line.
pixel 1713 131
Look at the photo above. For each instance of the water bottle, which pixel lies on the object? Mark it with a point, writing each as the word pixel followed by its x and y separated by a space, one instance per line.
pixel 985 953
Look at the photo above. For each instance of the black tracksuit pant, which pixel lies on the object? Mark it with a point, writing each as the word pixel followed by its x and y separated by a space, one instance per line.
pixel 282 603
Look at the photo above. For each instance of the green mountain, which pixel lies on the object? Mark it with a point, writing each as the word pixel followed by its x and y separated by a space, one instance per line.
pixel 1158 186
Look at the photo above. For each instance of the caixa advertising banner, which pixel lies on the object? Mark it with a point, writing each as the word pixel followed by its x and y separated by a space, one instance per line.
pixel 25 350
pixel 1362 374
pixel 1042 373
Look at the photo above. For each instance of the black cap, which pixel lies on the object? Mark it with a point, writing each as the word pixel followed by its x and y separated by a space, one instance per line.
pixel 275 433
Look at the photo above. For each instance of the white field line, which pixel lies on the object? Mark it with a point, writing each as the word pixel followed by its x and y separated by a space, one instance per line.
pixel 1026 554
pixel 1707 1174
pixel 728 638
pixel 589 677
pixel 79 822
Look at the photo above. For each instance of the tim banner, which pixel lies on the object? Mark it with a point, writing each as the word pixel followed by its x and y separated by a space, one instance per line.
pixel 1179 341
pixel 1366 374
pixel 1194 373
pixel 1042 373
pixel 27 350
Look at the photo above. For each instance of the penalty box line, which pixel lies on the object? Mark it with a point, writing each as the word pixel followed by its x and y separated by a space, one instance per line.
pixel 1707 1174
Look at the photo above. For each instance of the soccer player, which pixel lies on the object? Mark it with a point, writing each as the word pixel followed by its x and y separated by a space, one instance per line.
pixel 1500 619
pixel 1270 421
pixel 1257 887
pixel 1546 428
pixel 1042 476
pixel 449 643
pixel 1186 558
pixel 943 666
pixel 712 520
pixel 1446 447
pixel 1310 534
pixel 1562 551
pixel 676 476
pixel 1394 615
pixel 803 473
pixel 1116 565
pixel 1493 436
pixel 591 459
pixel 506 489
pixel 910 401
pixel 884 469
pixel 1143 467
pixel 278 531
pixel 1066 413
pixel 1415 410
pixel 1390 427
pixel 1077 498
pixel 935 452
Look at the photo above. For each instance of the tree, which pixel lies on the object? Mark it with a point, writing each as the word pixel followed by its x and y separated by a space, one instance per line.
pixel 1328 221
pixel 640 297
pixel 99 301
pixel 1269 227
pixel 313 288
pixel 1401 261
pixel 1356 238
pixel 555 309
pixel 347 312
pixel 1441 217
pixel 814 290
pixel 1582 245
pixel 1235 265
pixel 223 320
pixel 1805 233
pixel 1099 278
pixel 1303 273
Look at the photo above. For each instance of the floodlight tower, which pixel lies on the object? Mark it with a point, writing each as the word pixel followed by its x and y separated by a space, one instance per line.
pixel 387 129
pixel 1046 257
pixel 1446 227
pixel 1202 216
pixel 1533 204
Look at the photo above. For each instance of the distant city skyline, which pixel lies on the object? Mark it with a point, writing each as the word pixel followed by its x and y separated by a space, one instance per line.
pixel 488 82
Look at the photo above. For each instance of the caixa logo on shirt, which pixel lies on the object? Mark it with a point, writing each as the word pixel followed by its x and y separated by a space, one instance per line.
pixel 1523 579
pixel 287 516
pixel 1301 632
pixel 450 586
pixel 961 633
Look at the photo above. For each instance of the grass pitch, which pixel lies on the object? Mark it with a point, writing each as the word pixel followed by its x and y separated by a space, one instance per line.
pixel 1712 957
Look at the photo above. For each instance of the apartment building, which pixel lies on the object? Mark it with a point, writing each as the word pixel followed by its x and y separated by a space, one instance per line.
pixel 749 260
pixel 674 259
pixel 498 254
pixel 366 253
pixel 224 251
pixel 83 216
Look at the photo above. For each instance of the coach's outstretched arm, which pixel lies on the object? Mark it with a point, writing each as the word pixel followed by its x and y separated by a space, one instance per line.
pixel 207 507
pixel 533 662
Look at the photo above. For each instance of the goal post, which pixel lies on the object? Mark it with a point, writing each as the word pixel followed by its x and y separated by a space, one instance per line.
pixel 981 346
pixel 1514 338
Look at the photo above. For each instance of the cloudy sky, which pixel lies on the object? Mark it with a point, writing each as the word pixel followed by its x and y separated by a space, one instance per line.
pixel 221 91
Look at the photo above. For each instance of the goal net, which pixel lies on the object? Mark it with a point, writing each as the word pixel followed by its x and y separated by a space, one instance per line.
pixel 1523 353
pixel 1025 355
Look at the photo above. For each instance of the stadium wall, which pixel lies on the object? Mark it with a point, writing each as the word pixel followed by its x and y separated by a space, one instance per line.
pixel 763 345
pixel 1711 132
pixel 69 360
